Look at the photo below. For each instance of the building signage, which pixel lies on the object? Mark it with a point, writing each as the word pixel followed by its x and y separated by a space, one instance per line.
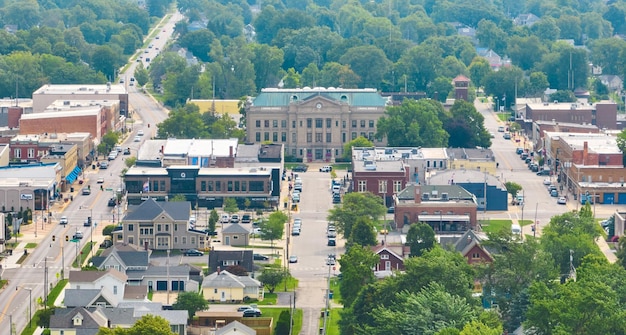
pixel 26 196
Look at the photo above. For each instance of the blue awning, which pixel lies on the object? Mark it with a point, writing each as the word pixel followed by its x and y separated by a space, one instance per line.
pixel 70 178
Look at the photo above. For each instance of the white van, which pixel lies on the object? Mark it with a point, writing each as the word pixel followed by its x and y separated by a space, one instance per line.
pixel 516 230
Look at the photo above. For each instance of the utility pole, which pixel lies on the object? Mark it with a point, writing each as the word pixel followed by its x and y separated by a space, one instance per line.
pixel 326 311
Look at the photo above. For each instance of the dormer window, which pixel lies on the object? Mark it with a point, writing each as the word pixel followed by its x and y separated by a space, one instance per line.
pixel 77 320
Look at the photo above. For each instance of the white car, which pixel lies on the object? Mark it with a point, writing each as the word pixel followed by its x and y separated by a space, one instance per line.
pixel 326 168
pixel 140 132
pixel 137 139
pixel 224 218
pixel 100 180
pixel 561 201
pixel 63 220
pixel 547 181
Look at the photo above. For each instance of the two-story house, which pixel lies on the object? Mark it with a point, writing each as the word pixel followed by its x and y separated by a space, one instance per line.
pixel 160 226
pixel 390 258
pixel 111 280
pixel 222 259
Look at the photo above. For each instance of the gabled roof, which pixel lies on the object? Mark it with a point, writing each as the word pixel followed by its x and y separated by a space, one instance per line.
pixel 460 78
pixel 275 97
pixel 135 292
pixel 91 276
pixel 380 248
pixel 156 270
pixel 126 258
pixel 235 327
pixel 226 279
pixel 470 239
pixel 63 319
pixel 173 317
pixel 120 316
pixel 150 210
pixel 88 297
pixel 235 228
pixel 244 258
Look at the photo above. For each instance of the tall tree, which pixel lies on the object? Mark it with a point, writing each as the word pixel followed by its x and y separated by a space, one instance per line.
pixel 359 142
pixel 356 269
pixel 466 127
pixel 420 238
pixel 413 124
pixel 191 302
pixel 363 233
pixel 356 205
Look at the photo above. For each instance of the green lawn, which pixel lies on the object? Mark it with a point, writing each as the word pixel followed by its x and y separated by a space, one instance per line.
pixel 333 322
pixel 525 222
pixel 84 254
pixel 275 313
pixel 503 116
pixel 31 245
pixel 492 226
pixel 334 286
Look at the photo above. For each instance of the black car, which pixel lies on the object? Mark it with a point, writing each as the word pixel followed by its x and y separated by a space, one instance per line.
pixel 259 257
pixel 543 173
pixel 246 218
pixel 391 210
pixel 251 313
pixel 332 242
pixel 112 202
pixel 194 252
pixel 127 151
pixel 300 168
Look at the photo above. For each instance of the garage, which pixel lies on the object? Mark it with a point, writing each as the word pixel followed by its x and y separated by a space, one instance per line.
pixel 161 285
pixel 621 198
pixel 178 285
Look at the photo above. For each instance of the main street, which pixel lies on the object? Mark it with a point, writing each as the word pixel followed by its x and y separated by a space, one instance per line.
pixel 51 260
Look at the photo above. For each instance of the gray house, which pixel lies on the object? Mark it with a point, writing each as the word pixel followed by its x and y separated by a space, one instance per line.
pixel 225 258
pixel 160 226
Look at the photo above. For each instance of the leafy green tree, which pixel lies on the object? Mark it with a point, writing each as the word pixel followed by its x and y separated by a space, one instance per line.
pixel 491 36
pixel 356 205
pixel 108 230
pixel 274 227
pixel 567 67
pixel 110 140
pixel 148 324
pixel 526 51
pixel 501 84
pixel 413 124
pixel 183 122
pixel 356 269
pixel 440 89
pixel 546 29
pixel 420 65
pixel 292 79
pixel 512 188
pixel 130 161
pixel 178 198
pixel 563 96
pixel 191 302
pixel 142 76
pixel 479 328
pixel 621 144
pixel 466 127
pixel 420 238
pixel 230 206
pixel 425 312
pixel 537 84
pixel 359 142
pixel 271 277
pixel 479 69
pixel 363 233
pixel 213 218
pixel 360 60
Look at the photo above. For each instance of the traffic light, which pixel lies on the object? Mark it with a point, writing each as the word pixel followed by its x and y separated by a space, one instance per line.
pixel 67 238
pixel 89 220
pixel 54 238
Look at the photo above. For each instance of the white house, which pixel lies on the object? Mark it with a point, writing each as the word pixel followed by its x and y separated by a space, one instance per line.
pixel 111 280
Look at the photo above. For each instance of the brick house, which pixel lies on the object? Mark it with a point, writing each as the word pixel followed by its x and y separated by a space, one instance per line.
pixel 471 246
pixel 390 258
pixel 602 114
pixel 446 208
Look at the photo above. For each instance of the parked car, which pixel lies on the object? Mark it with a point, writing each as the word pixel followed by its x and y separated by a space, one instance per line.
pixel 137 139
pixel 106 243
pixel 234 218
pixel 330 261
pixel 100 180
pixel 331 242
pixel 86 191
pixel 140 132
pixel 391 209
pixel 297 221
pixel 63 220
pixel 523 155
pixel 259 257
pixel 246 218
pixel 295 232
pixel 336 199
pixel 293 259
pixel 561 201
pixel 112 202
pixel 326 168
pixel 224 218
pixel 87 223
pixel 243 308
pixel 194 252
pixel 104 165
pixel 507 136
pixel 543 173
pixel 78 235
pixel 127 151
pixel 300 168
pixel 501 129
pixel 519 151
pixel 251 313
pixel 547 181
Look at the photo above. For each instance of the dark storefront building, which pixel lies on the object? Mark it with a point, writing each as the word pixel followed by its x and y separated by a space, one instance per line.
pixel 205 187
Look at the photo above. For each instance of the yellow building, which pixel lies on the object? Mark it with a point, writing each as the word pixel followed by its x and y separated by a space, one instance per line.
pixel 478 159
pixel 230 107
pixel 223 286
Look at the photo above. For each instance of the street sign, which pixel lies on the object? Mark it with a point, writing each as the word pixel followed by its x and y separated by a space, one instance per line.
pixel 75 240
pixel 109 189
pixel 334 268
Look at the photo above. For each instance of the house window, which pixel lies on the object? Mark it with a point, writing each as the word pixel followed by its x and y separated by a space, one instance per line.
pixel 258 123
pixel 17 153
pixel 115 289
pixel 275 123
pixel 309 123
pixel 244 186
pixel 397 186
pixel 266 123
pixel 475 255
pixel 384 256
pixel 309 137
pixel 318 137
pixel 193 240
pixel 329 123
pixel 343 137
pixel 230 186
pixel 258 136
pixel 353 135
pixel 329 137
pixel 343 124
pixel 283 137
pixel 353 123
pixel 210 186
pixel 293 124
pixel 266 136
pixel 382 186
pixel 31 153
pixel 294 137
pixel 203 186
pixel 162 185
pixel 362 186
pixel 215 291
pixel 175 238
pixel 275 136
pixel 362 123
pixel 229 262
pixel 184 239
pixel 371 123
pixel 283 123
pixel 237 183
pixel 131 227
pixel 319 123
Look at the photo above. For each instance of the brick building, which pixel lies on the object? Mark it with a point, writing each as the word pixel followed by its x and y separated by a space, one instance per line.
pixel 590 166
pixel 384 178
pixel 601 114
pixel 461 87
pixel 538 128
pixel 12 109
pixel 446 208
pixel 48 94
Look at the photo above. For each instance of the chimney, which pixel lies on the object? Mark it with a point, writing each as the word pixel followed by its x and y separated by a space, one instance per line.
pixel 418 194
pixel 230 151
pixel 585 152
pixel 145 245
pixel 219 270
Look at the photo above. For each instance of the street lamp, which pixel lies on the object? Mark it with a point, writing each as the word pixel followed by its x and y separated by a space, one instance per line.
pixel 10 322
pixel 30 304
pixel 535 223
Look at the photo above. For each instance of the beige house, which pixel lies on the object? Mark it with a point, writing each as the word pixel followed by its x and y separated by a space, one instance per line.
pixel 235 235
pixel 224 286
pixel 314 123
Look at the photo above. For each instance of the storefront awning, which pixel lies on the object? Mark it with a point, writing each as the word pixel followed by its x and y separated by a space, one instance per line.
pixel 443 218
pixel 73 175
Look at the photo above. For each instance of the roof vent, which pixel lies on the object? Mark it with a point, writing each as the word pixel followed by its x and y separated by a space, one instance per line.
pixel 444 196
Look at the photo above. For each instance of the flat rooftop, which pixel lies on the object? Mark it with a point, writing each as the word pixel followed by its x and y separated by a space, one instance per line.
pixel 80 111
pixel 81 89
pixel 470 154
pixel 72 104
pixel 561 106
pixel 380 166
pixel 161 171
pixel 599 143
pixel 397 153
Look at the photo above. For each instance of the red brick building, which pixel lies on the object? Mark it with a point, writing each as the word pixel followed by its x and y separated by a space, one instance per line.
pixel 446 208
pixel 382 177
pixel 471 246
pixel 389 258
pixel 461 87
pixel 601 114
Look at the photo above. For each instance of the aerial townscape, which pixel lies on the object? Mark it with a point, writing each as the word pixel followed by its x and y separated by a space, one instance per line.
pixel 313 167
